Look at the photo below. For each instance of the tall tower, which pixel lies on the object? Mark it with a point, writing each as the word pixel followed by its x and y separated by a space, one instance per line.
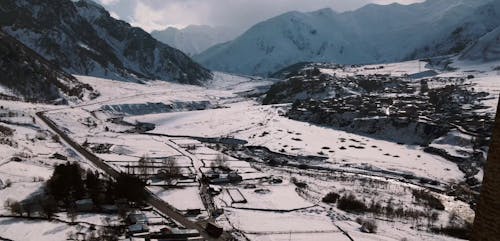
pixel 487 221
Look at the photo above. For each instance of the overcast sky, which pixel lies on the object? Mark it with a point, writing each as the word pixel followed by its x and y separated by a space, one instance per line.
pixel 158 14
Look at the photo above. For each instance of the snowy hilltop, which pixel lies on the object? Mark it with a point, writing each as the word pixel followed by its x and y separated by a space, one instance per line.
pixel 371 34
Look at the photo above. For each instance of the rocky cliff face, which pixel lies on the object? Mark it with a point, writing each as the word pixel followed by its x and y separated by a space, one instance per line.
pixel 82 38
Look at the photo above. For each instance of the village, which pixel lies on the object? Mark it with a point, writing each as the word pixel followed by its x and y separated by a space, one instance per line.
pixel 213 165
pixel 382 106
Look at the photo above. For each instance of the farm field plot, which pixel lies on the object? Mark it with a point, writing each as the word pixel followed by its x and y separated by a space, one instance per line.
pixel 249 122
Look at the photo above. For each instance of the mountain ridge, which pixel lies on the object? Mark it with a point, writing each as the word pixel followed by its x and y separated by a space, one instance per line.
pixel 371 34
pixel 29 76
pixel 487 48
pixel 194 39
pixel 82 38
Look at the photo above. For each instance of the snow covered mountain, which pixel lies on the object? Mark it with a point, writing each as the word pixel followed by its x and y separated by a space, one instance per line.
pixel 82 38
pixel 371 34
pixel 487 48
pixel 27 76
pixel 194 39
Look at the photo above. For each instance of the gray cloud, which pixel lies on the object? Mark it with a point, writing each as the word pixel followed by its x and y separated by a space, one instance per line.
pixel 158 14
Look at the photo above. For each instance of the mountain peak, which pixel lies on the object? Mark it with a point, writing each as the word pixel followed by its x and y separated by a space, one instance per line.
pixel 90 3
pixel 194 39
pixel 324 11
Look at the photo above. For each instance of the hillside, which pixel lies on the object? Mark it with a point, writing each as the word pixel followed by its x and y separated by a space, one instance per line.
pixel 487 48
pixel 27 76
pixel 371 34
pixel 82 38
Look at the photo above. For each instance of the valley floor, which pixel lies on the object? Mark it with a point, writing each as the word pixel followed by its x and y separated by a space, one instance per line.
pixel 286 167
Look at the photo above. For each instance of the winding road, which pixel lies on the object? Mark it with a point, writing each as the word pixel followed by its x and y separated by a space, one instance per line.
pixel 162 206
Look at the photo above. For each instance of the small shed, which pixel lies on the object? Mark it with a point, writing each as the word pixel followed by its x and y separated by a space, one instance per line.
pixel 213 230
pixel 109 208
pixel 193 212
pixel 84 205
pixel 235 177
pixel 137 228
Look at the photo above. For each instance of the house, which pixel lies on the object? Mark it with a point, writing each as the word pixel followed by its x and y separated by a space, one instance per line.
pixel 137 218
pixel 137 228
pixel 41 135
pixel 276 180
pixel 141 127
pixel 220 179
pixel 59 156
pixel 84 205
pixel 226 178
pixel 214 190
pixel 174 234
pixel 109 208
pixel 193 212
pixel 235 177
pixel 423 74
pixel 213 230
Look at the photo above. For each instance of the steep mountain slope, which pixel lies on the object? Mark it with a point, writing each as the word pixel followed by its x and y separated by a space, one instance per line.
pixel 82 38
pixel 28 76
pixel 194 39
pixel 459 26
pixel 287 39
pixel 487 48
pixel 372 34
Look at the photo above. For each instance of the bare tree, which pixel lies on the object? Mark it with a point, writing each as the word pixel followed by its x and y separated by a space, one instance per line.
pixel 143 165
pixel 220 162
pixel 29 208
pixel 49 207
pixel 72 215
pixel 434 217
pixel 171 170
pixel 15 207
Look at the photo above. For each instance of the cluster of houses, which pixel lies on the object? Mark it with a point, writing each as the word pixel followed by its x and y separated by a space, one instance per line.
pixel 396 98
pixel 217 177
pixel 140 227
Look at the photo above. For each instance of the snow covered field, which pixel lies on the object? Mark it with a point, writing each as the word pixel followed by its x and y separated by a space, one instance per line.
pixel 270 211
pixel 27 162
pixel 17 229
pixel 250 122
pixel 268 197
pixel 184 198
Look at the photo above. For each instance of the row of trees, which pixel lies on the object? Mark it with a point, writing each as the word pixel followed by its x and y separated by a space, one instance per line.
pixel 168 170
pixel 350 203
pixel 69 183
pixel 41 206
pixel 456 227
